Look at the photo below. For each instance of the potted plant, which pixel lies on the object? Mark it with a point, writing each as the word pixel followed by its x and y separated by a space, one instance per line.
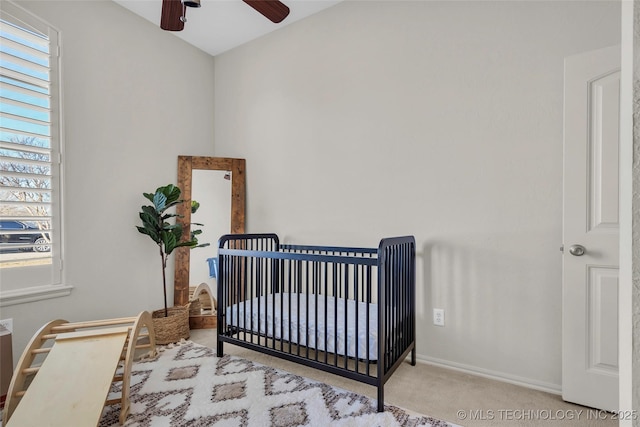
pixel 170 324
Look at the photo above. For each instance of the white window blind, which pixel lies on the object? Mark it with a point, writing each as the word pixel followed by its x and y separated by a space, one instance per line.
pixel 30 152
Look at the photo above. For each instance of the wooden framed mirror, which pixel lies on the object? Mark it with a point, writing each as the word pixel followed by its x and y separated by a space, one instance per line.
pixel 186 166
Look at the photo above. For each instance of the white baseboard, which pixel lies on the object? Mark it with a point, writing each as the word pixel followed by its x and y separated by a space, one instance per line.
pixel 492 375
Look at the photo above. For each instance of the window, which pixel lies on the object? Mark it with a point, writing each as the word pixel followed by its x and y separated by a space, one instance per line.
pixel 30 158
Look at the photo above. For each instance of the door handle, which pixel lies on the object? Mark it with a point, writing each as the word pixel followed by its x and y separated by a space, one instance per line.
pixel 577 250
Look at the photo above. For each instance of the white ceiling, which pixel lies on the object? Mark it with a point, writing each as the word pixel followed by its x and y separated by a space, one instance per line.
pixel 220 25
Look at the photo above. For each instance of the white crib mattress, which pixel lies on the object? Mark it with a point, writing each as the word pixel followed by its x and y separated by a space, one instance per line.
pixel 295 321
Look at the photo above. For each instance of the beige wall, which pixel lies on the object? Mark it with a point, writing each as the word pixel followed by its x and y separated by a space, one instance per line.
pixel 135 97
pixel 439 119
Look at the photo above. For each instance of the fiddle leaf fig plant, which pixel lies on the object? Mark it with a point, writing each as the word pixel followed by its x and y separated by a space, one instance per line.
pixel 165 233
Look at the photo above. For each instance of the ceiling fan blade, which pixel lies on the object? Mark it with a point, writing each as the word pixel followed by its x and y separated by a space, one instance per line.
pixel 273 10
pixel 172 11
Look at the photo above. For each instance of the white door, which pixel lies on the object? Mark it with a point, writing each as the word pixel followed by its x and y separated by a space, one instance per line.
pixel 590 229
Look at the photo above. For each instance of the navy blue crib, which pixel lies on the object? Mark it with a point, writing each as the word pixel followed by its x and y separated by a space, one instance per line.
pixel 347 311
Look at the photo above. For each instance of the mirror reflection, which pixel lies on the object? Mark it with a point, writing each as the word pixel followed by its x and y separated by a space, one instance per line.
pixel 212 189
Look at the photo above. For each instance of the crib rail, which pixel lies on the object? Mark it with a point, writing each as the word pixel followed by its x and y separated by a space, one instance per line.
pixel 280 300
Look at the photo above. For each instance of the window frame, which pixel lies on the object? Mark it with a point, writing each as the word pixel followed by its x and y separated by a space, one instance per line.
pixel 55 287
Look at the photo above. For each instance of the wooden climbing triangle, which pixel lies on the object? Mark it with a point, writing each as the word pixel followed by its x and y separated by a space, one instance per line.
pixel 66 371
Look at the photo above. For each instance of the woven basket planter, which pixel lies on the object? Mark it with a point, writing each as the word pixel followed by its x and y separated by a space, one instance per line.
pixel 172 328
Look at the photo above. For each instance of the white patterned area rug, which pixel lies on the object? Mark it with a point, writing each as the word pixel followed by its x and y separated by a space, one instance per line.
pixel 187 385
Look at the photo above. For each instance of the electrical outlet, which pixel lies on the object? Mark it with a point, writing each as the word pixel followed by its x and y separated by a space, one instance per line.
pixel 438 316
pixel 8 324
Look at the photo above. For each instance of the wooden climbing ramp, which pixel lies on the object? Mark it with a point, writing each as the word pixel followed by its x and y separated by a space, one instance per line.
pixel 66 371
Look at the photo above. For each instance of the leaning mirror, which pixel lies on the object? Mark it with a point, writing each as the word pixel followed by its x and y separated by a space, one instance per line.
pixel 190 178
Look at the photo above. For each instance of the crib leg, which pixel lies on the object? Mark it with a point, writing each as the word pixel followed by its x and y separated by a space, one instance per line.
pixel 380 398
pixel 219 352
pixel 413 357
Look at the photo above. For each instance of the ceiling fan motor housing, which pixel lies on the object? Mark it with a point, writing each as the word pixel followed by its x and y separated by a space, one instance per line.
pixel 174 11
pixel 191 3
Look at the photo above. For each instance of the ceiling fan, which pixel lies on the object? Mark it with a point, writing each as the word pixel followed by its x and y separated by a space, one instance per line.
pixel 174 11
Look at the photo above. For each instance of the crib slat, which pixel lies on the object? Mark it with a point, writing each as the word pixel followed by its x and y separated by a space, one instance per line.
pixel 326 312
pixel 273 309
pixel 316 281
pixel 356 280
pixel 337 295
pixel 345 287
pixel 289 302
pixel 366 296
pixel 257 285
pixel 298 315
pixel 306 308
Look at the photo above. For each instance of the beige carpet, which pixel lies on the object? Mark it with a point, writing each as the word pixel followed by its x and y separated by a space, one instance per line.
pixel 445 394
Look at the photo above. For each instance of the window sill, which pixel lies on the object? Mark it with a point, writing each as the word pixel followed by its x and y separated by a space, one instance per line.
pixel 37 293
